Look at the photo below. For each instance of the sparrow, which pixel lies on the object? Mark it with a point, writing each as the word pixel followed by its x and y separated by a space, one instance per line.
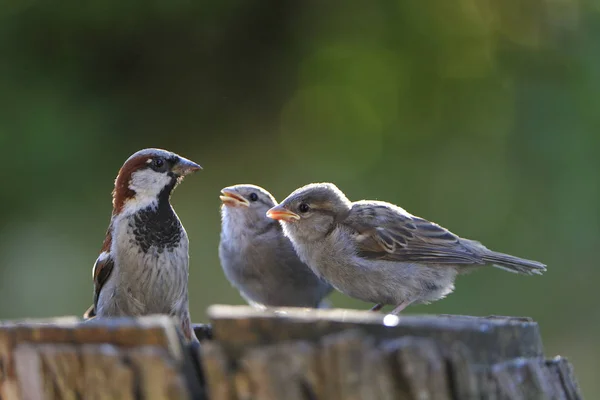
pixel 258 259
pixel 143 265
pixel 377 252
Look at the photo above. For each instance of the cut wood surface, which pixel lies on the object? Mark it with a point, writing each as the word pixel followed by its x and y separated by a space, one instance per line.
pixel 121 358
pixel 338 354
pixel 491 339
pixel 288 353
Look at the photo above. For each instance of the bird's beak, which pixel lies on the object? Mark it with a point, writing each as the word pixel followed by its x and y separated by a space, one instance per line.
pixel 280 213
pixel 230 198
pixel 184 167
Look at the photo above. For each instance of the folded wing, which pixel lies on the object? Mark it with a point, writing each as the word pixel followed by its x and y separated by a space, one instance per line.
pixel 387 232
pixel 101 272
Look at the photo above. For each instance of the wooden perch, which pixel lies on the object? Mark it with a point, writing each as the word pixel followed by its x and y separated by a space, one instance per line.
pixel 294 354
pixel 119 358
pixel 355 355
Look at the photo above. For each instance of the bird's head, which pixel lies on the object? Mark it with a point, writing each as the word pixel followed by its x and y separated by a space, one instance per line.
pixel 148 177
pixel 312 211
pixel 246 205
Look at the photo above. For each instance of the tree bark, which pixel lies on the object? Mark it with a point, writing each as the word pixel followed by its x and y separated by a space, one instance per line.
pixel 118 358
pixel 355 355
pixel 295 354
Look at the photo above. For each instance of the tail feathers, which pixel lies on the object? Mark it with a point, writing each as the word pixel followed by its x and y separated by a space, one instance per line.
pixel 514 264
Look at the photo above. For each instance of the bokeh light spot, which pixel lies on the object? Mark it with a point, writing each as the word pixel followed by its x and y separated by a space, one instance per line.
pixel 391 320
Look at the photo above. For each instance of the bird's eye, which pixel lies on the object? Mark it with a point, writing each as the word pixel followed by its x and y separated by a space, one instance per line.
pixel 303 207
pixel 159 162
pixel 253 197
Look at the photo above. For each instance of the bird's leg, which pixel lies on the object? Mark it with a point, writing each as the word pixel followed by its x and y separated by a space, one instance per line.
pixel 376 307
pixel 400 307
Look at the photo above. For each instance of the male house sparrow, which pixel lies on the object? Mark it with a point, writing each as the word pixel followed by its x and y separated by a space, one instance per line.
pixel 377 252
pixel 143 266
pixel 257 259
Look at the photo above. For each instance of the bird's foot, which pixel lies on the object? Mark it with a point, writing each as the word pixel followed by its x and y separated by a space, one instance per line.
pixel 376 307
pixel 400 307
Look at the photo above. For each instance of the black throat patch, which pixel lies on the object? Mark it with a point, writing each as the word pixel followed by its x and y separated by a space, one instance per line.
pixel 158 227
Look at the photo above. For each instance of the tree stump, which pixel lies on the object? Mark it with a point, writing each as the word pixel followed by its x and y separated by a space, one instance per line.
pixel 337 354
pixel 121 358
pixel 282 354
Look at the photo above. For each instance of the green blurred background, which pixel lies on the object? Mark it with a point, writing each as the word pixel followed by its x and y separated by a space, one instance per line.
pixel 480 115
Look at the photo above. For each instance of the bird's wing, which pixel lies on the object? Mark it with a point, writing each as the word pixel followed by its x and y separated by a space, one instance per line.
pixel 387 232
pixel 101 272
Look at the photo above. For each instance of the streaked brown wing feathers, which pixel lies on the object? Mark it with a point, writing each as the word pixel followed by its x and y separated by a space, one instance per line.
pixel 392 234
pixel 101 272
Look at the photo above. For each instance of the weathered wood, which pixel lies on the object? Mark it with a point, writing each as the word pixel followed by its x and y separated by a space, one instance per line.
pixel 281 371
pixel 62 372
pixel 62 367
pixel 491 340
pixel 158 376
pixel 361 355
pixel 100 371
pixel 12 334
pixel 106 373
pixel 118 358
pixel 294 354
pixel 243 389
pixel 420 368
pixel 344 358
pixel 219 378
pixel 562 372
pixel 381 376
pixel 29 369
pixel 461 371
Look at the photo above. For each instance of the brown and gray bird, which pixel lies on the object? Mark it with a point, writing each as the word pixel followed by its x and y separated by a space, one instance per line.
pixel 258 259
pixel 377 252
pixel 143 265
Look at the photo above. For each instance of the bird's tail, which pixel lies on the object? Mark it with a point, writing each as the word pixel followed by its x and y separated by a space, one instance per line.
pixel 514 264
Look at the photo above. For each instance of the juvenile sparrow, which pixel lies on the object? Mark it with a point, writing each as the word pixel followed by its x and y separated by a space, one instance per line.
pixel 143 265
pixel 377 252
pixel 257 259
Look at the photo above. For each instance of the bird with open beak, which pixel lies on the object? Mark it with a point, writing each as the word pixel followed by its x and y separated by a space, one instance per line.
pixel 258 259
pixel 143 265
pixel 377 252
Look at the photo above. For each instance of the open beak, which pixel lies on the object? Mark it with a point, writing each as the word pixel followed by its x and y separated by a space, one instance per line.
pixel 185 167
pixel 282 214
pixel 230 198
